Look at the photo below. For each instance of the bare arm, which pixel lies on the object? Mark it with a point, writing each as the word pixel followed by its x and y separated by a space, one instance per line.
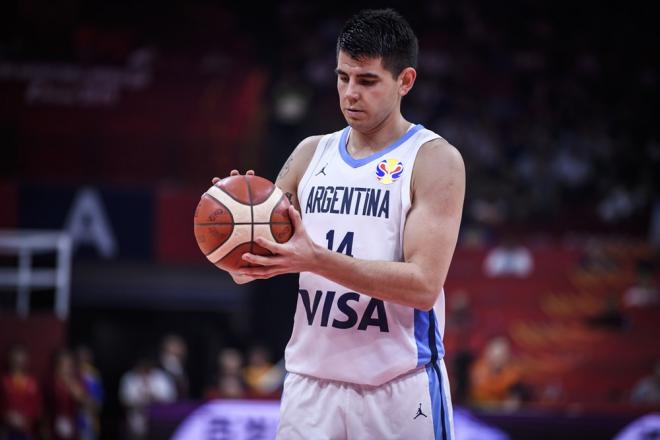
pixel 430 236
pixel 294 168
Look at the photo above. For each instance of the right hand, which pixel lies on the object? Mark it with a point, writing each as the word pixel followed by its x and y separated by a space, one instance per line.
pixel 241 279
pixel 238 279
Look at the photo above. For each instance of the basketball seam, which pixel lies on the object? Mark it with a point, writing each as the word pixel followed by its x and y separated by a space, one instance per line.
pixel 228 253
pixel 230 195
pixel 249 189
pixel 276 223
pixel 230 214
pixel 272 189
pixel 221 243
pixel 223 205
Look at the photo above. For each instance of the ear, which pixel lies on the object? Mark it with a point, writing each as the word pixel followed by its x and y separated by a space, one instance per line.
pixel 406 80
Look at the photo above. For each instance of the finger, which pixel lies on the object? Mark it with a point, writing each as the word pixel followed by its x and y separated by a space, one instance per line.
pixel 215 180
pixel 262 260
pixel 296 220
pixel 249 173
pixel 234 173
pixel 260 272
pixel 275 248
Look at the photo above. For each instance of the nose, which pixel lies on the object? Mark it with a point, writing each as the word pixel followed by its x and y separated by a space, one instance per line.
pixel 352 94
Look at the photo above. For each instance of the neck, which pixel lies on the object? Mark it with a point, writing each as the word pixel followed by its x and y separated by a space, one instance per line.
pixel 364 143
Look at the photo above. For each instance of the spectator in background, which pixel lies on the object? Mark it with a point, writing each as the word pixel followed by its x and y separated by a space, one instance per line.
pixel 67 397
pixel 261 376
pixel 509 259
pixel 88 420
pixel 228 380
pixel 20 397
pixel 496 377
pixel 647 390
pixel 173 352
pixel 140 387
pixel 258 365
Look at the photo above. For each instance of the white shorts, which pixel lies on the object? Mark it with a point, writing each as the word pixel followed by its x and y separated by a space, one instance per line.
pixel 416 405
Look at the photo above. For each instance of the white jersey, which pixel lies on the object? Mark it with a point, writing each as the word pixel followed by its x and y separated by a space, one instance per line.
pixel 358 207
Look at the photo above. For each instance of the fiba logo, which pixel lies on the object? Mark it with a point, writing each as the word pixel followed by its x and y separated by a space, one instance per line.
pixel 388 171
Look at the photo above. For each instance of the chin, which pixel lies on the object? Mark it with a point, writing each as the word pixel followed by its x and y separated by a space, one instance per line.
pixel 356 124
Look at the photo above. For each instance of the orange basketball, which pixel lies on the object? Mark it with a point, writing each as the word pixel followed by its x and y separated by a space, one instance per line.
pixel 235 211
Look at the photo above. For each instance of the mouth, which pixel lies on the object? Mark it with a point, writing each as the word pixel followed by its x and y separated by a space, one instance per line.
pixel 353 112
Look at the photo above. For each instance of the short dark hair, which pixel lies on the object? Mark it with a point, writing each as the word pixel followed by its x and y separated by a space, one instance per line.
pixel 375 33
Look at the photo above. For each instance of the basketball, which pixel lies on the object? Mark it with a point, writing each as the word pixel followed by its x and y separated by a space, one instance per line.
pixel 233 213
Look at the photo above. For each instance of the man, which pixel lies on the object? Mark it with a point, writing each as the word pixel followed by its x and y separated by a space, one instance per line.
pixel 143 385
pixel 90 378
pixel 380 206
pixel 172 359
pixel 21 400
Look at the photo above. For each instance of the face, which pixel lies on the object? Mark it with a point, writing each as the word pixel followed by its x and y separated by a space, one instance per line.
pixel 498 352
pixel 175 347
pixel 369 95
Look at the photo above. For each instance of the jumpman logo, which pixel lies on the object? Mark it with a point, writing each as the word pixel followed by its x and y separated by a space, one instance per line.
pixel 322 170
pixel 419 412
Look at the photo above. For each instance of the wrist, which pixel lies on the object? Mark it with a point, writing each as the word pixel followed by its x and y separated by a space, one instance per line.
pixel 315 263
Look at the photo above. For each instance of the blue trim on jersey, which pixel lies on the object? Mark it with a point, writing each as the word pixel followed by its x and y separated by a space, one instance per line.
pixel 439 346
pixel 445 397
pixel 422 337
pixel 355 163
pixel 427 338
pixel 438 409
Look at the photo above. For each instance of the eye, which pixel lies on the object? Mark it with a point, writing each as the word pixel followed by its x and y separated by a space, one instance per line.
pixel 343 78
pixel 367 83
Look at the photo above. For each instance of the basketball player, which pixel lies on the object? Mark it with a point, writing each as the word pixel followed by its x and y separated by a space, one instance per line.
pixel 376 218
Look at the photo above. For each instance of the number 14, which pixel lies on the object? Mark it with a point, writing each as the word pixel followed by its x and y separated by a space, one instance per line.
pixel 346 245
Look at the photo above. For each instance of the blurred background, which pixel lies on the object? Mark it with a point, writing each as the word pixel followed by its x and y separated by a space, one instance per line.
pixel 114 116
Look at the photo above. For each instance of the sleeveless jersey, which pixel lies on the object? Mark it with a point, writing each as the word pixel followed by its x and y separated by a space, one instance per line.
pixel 358 207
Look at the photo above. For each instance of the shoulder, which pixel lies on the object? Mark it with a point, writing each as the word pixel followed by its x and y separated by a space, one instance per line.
pixel 300 158
pixel 440 152
pixel 438 163
pixel 294 168
pixel 308 145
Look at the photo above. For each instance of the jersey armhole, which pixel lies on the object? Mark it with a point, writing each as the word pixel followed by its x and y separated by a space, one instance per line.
pixel 316 158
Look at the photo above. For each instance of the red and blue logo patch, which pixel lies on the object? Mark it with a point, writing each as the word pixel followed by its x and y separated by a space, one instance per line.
pixel 388 171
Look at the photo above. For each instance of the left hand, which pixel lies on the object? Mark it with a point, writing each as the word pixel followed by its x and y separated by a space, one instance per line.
pixel 232 173
pixel 296 255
